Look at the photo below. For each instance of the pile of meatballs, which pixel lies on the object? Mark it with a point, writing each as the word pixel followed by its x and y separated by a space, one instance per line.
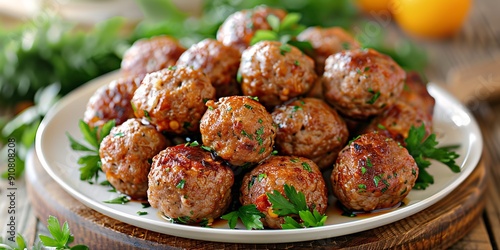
pixel 224 122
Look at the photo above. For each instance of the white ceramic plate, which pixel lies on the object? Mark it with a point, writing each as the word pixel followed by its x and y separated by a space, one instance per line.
pixel 453 124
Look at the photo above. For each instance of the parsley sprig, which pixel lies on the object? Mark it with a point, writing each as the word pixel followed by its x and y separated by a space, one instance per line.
pixel 285 31
pixel 249 215
pixel 60 238
pixel 422 149
pixel 90 163
pixel 295 205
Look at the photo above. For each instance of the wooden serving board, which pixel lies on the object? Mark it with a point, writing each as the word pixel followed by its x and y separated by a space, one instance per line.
pixel 436 227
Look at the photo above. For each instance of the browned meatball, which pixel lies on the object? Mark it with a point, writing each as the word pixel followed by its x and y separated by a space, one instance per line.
pixel 361 83
pixel 219 62
pixel 273 174
pixel 151 54
pixel 275 72
pixel 239 130
pixel 187 185
pixel 415 93
pixel 126 154
pixel 239 28
pixel 397 120
pixel 173 99
pixel 326 42
pixel 373 172
pixel 310 128
pixel 112 101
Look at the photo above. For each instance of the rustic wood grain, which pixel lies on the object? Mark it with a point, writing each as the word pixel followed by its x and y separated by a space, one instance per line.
pixel 436 227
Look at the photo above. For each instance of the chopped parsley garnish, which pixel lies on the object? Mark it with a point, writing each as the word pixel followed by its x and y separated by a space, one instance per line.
pixel 146 114
pixel 369 162
pixel 306 167
pixel 142 212
pixel 90 163
pixel 376 180
pixel 255 98
pixel 294 204
pixel 119 134
pixel 249 215
pixel 261 176
pixel 248 106
pixel 122 199
pixel 363 170
pixel 145 205
pixel 206 148
pixel 362 186
pixel 181 184
pixel 374 97
pixel 192 144
pixel 422 149
pixel 284 48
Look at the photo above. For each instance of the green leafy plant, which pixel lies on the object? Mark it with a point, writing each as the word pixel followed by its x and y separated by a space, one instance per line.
pixel 91 163
pixel 60 238
pixel 294 204
pixel 423 149
pixel 249 215
pixel 23 127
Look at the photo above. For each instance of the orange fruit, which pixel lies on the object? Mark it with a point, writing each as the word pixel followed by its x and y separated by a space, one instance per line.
pixel 430 18
pixel 371 6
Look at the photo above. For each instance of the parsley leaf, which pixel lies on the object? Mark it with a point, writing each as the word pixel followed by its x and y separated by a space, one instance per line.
pixel 423 150
pixel 295 205
pixel 249 215
pixel 90 163
pixel 61 236
pixel 285 31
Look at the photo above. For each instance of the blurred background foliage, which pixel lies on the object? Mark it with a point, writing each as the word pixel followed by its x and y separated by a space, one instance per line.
pixel 46 58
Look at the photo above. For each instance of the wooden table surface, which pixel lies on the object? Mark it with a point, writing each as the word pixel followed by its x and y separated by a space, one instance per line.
pixel 467 63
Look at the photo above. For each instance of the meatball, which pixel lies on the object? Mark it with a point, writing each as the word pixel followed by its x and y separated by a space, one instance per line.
pixel 310 128
pixel 415 93
pixel 361 83
pixel 173 99
pixel 373 172
pixel 397 120
pixel 239 130
pixel 239 28
pixel 112 101
pixel 326 42
pixel 275 72
pixel 187 185
pixel 219 62
pixel 147 55
pixel 298 172
pixel 126 154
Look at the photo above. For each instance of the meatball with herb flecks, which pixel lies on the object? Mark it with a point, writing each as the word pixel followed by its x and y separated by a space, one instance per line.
pixel 112 101
pixel 239 28
pixel 147 55
pixel 310 128
pixel 173 99
pixel 326 42
pixel 126 153
pixel 219 62
pixel 275 72
pixel 239 130
pixel 187 185
pixel 373 172
pixel 276 172
pixel 361 83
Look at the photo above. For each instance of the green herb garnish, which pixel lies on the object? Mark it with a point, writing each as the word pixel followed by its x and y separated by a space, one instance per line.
pixel 91 163
pixel 294 204
pixel 249 215
pixel 422 149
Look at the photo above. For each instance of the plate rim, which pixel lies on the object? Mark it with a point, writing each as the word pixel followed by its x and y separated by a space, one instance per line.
pixel 262 236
